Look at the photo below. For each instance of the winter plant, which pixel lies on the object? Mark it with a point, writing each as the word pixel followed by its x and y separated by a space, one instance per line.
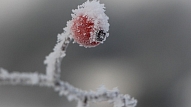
pixel 89 27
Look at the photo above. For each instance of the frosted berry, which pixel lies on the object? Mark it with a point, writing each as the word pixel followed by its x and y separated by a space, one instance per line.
pixel 89 25
pixel 84 32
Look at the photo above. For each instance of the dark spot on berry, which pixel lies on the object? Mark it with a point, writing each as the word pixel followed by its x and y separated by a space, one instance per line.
pixel 100 35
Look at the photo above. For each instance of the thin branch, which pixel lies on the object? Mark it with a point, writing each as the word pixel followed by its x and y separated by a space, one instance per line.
pixel 52 79
pixel 16 78
pixel 54 59
pixel 64 88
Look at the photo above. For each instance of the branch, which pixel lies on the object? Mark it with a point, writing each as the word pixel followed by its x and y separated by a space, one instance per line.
pixel 16 78
pixel 64 88
pixel 54 59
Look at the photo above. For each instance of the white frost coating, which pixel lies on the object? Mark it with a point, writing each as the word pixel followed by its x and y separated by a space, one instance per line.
pixel 53 62
pixel 82 97
pixel 21 78
pixel 96 13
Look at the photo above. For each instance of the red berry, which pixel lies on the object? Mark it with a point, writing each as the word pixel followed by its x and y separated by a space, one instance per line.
pixel 89 25
pixel 84 32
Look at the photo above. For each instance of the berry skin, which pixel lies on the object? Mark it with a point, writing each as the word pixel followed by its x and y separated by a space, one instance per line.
pixel 84 32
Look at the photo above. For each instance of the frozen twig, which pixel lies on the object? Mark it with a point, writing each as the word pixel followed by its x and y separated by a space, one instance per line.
pixel 53 63
pixel 64 88
pixel 16 78
pixel 53 60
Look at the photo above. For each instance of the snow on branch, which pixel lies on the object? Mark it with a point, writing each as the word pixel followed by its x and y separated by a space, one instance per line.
pixel 64 88
pixel 89 27
pixel 15 78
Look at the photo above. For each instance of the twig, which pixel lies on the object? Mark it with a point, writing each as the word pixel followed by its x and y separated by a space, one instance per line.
pixel 64 88
pixel 52 79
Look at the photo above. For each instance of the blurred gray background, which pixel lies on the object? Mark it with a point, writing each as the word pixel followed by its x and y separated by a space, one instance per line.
pixel 147 55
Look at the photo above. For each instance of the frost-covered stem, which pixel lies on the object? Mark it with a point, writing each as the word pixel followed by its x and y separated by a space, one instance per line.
pixel 16 78
pixel 54 59
pixel 58 59
pixel 64 88
pixel 102 94
pixel 52 79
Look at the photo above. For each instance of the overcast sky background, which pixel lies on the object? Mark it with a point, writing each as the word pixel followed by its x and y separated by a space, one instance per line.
pixel 147 55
